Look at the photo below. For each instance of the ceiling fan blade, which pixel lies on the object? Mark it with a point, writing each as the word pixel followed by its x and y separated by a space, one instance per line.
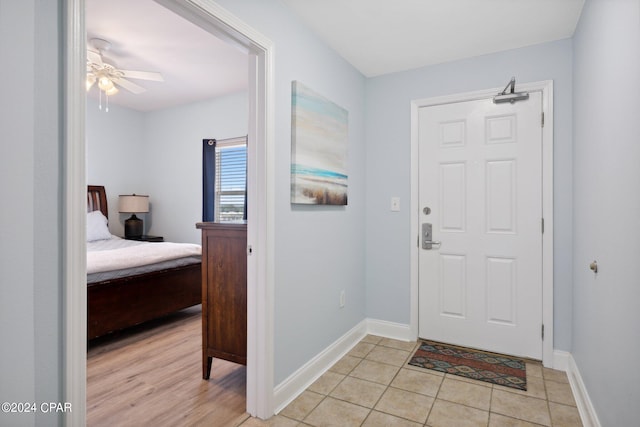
pixel 143 75
pixel 94 57
pixel 130 86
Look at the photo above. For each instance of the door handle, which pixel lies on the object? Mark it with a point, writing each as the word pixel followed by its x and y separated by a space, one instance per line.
pixel 427 237
pixel 430 244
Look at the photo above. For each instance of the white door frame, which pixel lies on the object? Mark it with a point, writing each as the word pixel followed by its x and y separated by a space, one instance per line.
pixel 260 179
pixel 546 87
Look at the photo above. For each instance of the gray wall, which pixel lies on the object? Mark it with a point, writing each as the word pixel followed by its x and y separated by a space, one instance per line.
pixel 388 168
pixel 30 216
pixel 173 151
pixel 318 251
pixel 606 334
pixel 160 154
pixel 115 157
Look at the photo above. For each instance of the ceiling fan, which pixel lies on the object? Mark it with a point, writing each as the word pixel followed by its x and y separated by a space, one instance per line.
pixel 108 76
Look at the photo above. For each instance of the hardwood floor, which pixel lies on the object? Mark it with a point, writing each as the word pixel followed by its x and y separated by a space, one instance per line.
pixel 152 376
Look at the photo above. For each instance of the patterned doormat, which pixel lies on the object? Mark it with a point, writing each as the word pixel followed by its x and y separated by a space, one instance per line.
pixel 479 365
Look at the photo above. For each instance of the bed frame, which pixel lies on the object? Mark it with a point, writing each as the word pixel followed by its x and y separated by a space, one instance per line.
pixel 117 304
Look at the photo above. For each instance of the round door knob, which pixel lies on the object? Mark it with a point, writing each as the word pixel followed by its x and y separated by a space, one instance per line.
pixel 594 266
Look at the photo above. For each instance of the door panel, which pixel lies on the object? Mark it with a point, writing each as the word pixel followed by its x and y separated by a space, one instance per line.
pixel 481 175
pixel 453 285
pixel 453 196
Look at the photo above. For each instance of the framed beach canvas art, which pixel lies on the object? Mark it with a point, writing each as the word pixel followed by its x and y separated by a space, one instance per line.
pixel 319 134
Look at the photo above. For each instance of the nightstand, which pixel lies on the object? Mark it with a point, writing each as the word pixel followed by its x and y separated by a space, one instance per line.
pixel 145 238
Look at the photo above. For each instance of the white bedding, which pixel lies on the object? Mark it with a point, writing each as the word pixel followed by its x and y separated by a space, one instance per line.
pixel 119 254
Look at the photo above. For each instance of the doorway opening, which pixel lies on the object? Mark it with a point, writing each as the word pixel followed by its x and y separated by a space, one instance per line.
pixel 224 25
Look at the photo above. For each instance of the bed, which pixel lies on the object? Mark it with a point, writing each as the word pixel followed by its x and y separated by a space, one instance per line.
pixel 128 296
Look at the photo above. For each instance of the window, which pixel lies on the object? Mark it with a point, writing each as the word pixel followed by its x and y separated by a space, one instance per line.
pixel 225 184
pixel 231 180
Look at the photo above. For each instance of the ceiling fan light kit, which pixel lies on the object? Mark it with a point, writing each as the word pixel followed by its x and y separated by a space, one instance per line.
pixel 106 84
pixel 91 79
pixel 109 76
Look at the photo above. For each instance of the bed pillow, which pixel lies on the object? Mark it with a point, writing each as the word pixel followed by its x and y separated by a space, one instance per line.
pixel 97 228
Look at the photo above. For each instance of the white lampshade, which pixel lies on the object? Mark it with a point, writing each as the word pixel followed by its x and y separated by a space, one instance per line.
pixel 133 203
pixel 105 83
pixel 91 79
pixel 112 91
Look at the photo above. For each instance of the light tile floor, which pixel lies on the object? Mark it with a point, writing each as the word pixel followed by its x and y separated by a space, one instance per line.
pixel 374 386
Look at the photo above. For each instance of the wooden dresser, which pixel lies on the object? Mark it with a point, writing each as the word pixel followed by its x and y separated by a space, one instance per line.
pixel 224 293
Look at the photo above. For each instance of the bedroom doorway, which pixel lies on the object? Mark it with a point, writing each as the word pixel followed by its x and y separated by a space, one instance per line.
pixel 221 23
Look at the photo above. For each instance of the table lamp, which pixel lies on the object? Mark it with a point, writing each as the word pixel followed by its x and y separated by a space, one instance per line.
pixel 133 204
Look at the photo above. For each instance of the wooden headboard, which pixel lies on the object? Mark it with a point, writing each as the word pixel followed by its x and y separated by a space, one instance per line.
pixel 97 199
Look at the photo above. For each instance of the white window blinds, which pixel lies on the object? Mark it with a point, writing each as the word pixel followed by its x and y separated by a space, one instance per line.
pixel 231 179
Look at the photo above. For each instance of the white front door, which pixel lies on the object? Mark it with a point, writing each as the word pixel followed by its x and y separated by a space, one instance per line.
pixel 480 186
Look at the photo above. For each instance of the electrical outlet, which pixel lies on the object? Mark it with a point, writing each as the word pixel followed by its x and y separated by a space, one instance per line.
pixel 342 298
pixel 395 204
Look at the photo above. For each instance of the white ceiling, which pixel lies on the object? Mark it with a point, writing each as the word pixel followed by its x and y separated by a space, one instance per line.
pixel 148 37
pixel 375 36
pixel 385 36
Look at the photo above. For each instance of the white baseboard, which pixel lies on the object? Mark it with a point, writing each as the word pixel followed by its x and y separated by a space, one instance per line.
pixel 585 407
pixel 285 392
pixel 560 360
pixel 382 328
